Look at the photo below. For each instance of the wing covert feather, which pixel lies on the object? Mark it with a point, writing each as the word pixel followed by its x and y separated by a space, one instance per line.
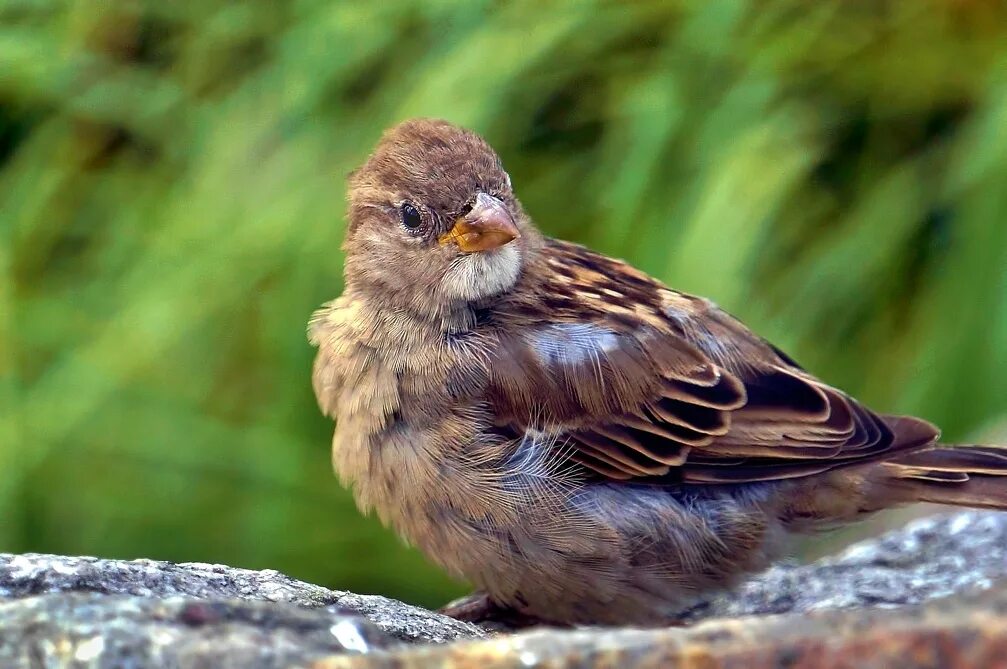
pixel 662 387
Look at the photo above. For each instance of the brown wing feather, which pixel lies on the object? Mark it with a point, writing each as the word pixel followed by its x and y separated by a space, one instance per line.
pixel 651 384
pixel 963 475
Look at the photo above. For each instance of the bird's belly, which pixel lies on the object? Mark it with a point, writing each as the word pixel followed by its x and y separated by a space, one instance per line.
pixel 540 538
pixel 591 553
pixel 624 554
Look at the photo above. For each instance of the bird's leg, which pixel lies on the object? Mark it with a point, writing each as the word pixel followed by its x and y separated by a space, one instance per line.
pixel 470 608
pixel 478 608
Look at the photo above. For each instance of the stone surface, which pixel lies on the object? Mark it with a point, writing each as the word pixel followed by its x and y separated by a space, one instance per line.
pixel 95 630
pixel 963 632
pixel 33 574
pixel 931 557
pixel 876 604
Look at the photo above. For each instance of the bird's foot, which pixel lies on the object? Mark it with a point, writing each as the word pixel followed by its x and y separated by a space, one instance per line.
pixel 478 608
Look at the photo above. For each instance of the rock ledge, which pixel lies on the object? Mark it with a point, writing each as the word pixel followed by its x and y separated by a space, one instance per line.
pixel 876 603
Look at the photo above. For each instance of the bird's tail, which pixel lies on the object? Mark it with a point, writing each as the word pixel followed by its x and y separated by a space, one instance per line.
pixel 973 476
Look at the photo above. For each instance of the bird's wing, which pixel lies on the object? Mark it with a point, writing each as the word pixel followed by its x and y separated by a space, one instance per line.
pixel 646 383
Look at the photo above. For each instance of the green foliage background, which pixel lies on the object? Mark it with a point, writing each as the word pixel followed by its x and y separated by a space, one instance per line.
pixel 171 203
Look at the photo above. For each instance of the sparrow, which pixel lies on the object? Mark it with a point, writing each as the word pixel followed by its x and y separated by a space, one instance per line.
pixel 583 443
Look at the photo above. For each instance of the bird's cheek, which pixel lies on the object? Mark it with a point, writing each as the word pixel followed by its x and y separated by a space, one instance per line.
pixel 476 276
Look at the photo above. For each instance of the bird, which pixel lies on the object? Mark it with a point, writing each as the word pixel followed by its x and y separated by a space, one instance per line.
pixel 582 443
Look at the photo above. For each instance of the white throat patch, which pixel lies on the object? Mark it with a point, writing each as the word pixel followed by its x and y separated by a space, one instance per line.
pixel 474 276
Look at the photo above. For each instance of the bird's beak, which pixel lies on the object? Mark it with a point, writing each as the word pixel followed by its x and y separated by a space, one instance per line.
pixel 487 226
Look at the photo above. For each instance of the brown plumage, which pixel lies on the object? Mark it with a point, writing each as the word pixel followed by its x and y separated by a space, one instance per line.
pixel 583 443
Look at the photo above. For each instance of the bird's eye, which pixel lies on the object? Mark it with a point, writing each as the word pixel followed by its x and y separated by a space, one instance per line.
pixel 411 219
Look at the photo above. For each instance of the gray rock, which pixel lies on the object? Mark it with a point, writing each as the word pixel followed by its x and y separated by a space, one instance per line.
pixel 929 558
pixel 96 630
pixel 409 623
pixel 965 631
pixel 34 574
pixel 77 612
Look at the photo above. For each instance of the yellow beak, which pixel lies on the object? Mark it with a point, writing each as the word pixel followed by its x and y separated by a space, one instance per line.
pixel 487 226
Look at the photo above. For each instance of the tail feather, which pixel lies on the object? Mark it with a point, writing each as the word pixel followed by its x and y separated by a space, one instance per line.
pixel 990 460
pixel 973 476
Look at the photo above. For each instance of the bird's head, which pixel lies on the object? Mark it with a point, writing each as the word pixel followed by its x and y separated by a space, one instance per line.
pixel 433 222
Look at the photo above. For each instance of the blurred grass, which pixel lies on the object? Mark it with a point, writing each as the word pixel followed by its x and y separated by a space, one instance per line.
pixel 171 202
